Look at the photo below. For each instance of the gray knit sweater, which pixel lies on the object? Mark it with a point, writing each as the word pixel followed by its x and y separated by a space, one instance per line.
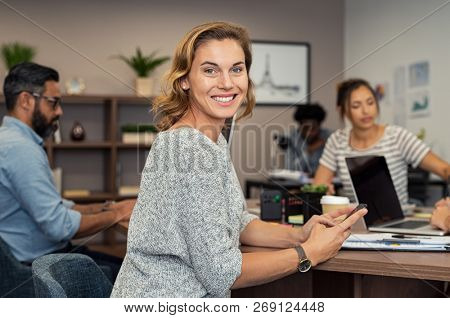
pixel 183 239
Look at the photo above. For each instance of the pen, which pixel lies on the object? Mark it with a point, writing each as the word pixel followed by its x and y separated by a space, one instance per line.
pixel 402 236
pixel 390 241
pixel 446 187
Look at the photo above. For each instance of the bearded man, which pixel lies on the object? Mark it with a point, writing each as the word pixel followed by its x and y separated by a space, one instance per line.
pixel 34 219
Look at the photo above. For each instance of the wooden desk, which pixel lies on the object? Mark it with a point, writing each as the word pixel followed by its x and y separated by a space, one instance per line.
pixel 384 274
pixel 359 274
pixel 418 265
pixel 363 274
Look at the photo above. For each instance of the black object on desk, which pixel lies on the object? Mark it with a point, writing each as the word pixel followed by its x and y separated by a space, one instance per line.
pixel 294 202
pixel 305 203
pixel 275 202
pixel 277 184
pixel 271 205
pixel 310 204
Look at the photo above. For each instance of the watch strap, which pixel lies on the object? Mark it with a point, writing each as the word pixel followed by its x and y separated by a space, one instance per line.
pixel 106 205
pixel 301 252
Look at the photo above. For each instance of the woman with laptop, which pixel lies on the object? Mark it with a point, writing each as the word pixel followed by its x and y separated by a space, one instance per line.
pixel 357 102
pixel 189 219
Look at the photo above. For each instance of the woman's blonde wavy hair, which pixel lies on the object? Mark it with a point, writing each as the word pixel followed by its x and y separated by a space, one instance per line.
pixel 173 103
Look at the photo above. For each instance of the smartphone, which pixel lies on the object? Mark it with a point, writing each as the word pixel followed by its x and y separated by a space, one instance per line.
pixel 359 207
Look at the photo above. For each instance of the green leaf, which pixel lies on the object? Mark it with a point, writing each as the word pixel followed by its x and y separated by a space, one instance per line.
pixel 311 188
pixel 15 53
pixel 142 64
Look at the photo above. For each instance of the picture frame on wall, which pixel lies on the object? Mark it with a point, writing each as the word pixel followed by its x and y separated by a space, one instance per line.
pixel 280 72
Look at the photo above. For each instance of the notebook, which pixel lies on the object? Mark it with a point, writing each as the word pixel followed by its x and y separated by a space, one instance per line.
pixel 228 130
pixel 397 242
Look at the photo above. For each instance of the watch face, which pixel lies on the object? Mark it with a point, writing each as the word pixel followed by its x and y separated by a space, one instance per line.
pixel 304 266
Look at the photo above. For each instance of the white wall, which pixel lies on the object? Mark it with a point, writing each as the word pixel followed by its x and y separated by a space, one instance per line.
pixel 100 29
pixel 370 24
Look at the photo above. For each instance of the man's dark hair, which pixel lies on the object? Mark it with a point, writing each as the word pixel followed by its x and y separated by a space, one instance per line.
pixel 310 111
pixel 29 77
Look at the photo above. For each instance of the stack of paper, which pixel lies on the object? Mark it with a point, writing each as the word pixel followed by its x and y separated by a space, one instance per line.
pixel 397 242
pixel 128 191
pixel 57 178
pixel 289 175
pixel 74 193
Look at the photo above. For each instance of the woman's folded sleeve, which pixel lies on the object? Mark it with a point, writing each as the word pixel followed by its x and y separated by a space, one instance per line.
pixel 246 219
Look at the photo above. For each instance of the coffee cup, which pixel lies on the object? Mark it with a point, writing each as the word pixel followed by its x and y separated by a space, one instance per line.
pixel 332 203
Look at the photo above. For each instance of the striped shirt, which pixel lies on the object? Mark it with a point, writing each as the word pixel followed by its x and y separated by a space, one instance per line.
pixel 399 146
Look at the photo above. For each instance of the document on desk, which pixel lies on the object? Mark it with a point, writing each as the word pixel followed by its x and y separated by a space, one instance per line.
pixel 397 242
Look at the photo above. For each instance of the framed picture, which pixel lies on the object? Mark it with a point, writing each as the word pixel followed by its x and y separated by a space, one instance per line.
pixel 281 72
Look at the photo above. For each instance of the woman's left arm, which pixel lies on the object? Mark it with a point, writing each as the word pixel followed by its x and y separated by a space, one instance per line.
pixel 436 165
pixel 264 234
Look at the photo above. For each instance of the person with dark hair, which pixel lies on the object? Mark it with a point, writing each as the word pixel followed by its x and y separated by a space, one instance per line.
pixel 305 145
pixel 357 101
pixel 34 219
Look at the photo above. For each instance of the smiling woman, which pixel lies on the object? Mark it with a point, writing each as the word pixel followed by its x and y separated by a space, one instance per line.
pixel 216 85
pixel 209 77
pixel 190 218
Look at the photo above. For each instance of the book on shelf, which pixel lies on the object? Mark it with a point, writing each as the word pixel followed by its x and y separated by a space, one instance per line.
pixel 145 138
pixel 57 135
pixel 128 191
pixel 57 178
pixel 72 193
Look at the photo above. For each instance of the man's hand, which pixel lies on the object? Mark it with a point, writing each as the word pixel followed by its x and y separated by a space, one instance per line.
pixel 123 209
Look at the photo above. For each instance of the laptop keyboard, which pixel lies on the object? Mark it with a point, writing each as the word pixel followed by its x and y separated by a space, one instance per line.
pixel 407 225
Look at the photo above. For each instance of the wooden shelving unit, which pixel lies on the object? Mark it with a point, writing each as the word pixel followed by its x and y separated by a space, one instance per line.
pixel 93 197
pixel 82 145
pixel 131 146
pixel 100 163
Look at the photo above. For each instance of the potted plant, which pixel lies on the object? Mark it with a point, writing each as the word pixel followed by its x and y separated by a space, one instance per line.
pixel 138 134
pixel 144 65
pixel 15 53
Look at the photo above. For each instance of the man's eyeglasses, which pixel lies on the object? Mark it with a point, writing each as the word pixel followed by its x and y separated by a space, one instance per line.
pixel 53 101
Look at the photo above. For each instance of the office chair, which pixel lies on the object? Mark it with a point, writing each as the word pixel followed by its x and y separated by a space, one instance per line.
pixel 69 276
pixel 15 277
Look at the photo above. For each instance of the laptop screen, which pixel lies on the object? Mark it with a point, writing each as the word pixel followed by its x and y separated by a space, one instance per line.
pixel 372 184
pixel 228 130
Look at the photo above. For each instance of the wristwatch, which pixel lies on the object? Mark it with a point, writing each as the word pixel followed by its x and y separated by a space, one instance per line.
pixel 304 263
pixel 106 205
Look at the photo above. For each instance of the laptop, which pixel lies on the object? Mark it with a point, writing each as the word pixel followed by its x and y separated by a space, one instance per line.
pixel 372 185
pixel 228 130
